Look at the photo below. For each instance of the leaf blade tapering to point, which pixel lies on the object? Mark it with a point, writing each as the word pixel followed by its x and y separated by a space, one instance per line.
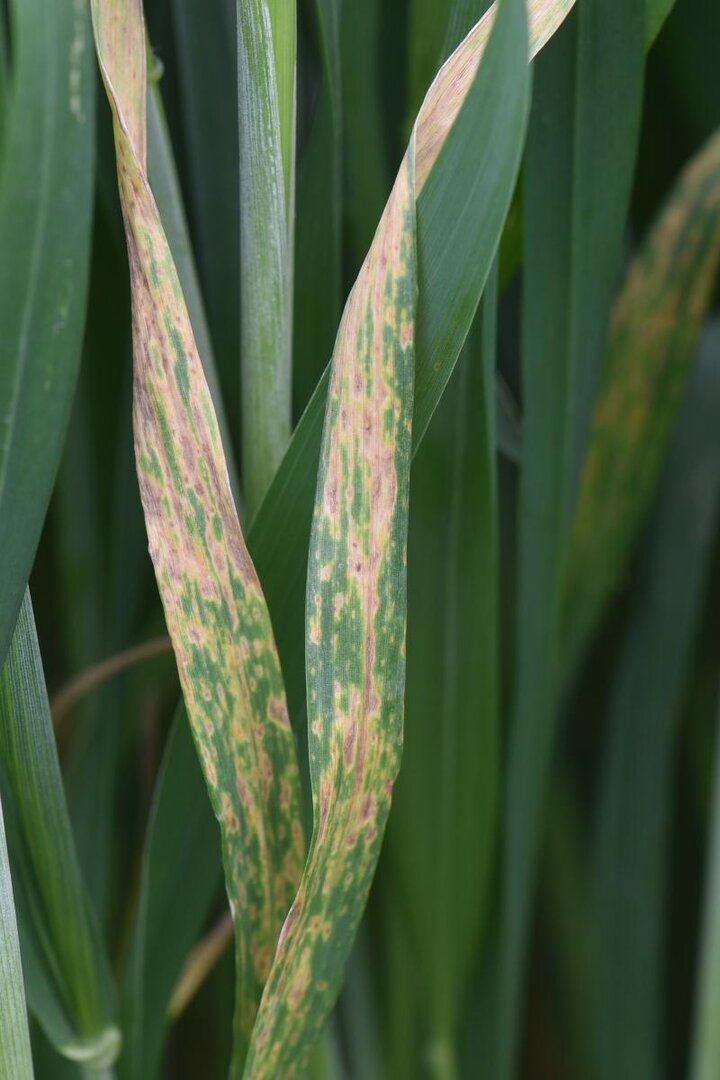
pixel 215 610
pixel 343 708
pixel 278 535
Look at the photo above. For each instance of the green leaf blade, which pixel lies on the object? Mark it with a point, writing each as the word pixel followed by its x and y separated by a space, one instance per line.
pixel 441 848
pixel 15 1056
pixel 45 218
pixel 577 182
pixel 631 870
pixel 181 846
pixel 29 758
pixel 266 115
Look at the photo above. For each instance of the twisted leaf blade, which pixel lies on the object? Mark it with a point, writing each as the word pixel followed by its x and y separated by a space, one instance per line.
pixel 215 611
pixel 355 636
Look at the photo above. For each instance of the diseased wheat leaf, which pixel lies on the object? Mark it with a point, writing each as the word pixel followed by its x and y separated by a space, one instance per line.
pixel 355 637
pixel 440 850
pixel 483 161
pixel 214 607
pixel 356 599
pixel 95 762
pixel 15 1056
pixel 46 180
pixel 32 770
pixel 655 325
pixel 166 189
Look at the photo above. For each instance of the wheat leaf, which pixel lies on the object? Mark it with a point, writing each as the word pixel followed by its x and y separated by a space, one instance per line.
pixel 656 322
pixel 355 633
pixel 15 1056
pixel 46 179
pixel 266 116
pixel 279 534
pixel 214 607
pixel 643 728
pixel 32 771
pixel 356 595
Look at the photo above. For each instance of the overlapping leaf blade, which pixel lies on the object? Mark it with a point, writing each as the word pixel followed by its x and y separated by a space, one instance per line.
pixel 367 176
pixel 278 537
pixel 45 213
pixel 266 113
pixel 656 13
pixel 213 603
pixel 355 615
pixel 15 1056
pixel 318 284
pixel 441 850
pixel 204 37
pixel 44 986
pixel 355 637
pixel 30 764
pixel 442 847
pixel 635 803
pixel 579 167
pixel 181 846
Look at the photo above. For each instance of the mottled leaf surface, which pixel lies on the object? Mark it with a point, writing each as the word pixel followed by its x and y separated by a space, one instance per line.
pixel 356 597
pixel 355 637
pixel 656 322
pixel 488 155
pixel 215 611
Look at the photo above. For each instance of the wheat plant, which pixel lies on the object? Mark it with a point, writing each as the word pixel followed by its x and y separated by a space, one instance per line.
pixel 359 505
